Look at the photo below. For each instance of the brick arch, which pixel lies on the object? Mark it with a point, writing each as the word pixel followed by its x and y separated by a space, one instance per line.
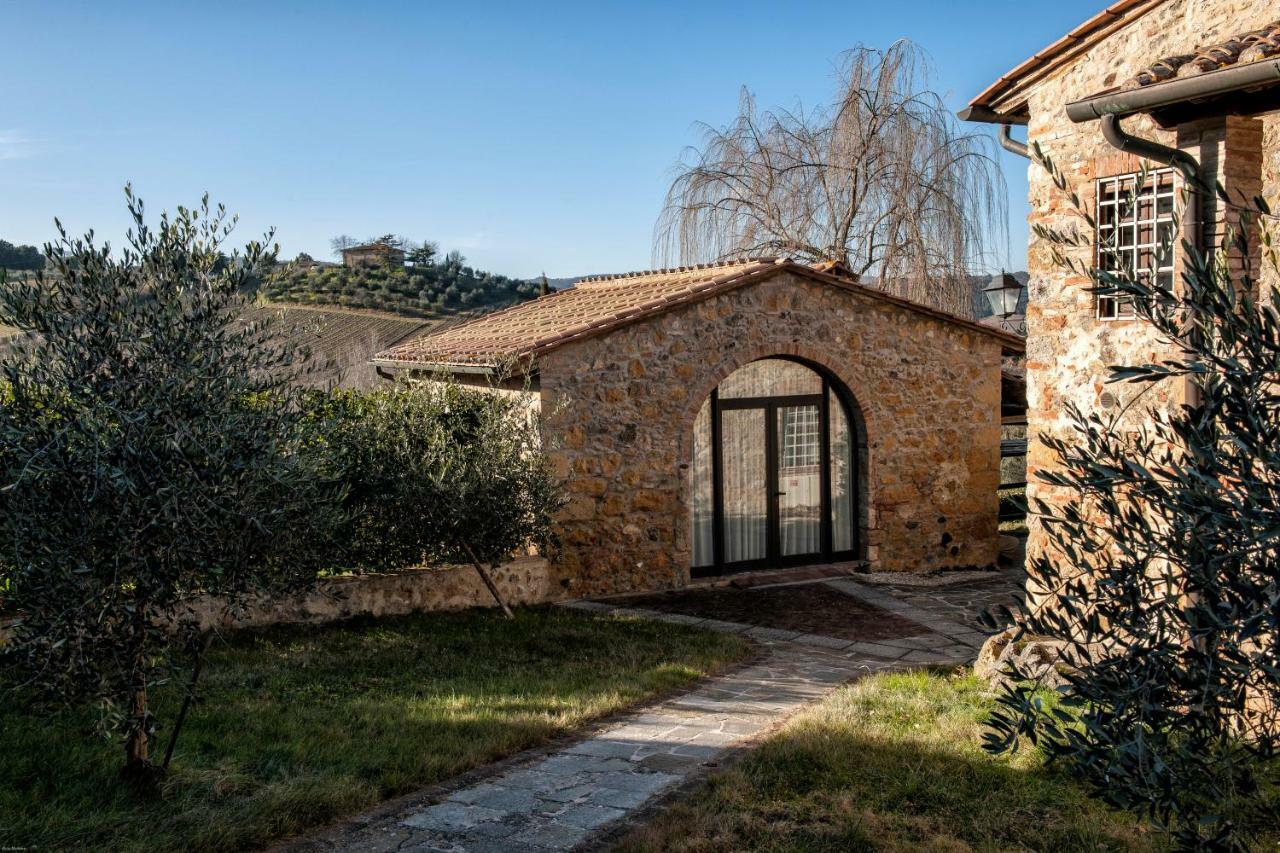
pixel 741 358
pixel 860 425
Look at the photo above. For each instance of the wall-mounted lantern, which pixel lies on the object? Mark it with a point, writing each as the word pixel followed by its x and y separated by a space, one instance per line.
pixel 1004 294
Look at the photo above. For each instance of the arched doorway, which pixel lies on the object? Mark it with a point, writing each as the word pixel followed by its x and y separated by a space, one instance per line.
pixel 774 471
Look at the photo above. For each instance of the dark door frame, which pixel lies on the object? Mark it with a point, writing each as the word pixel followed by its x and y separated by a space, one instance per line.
pixel 770 406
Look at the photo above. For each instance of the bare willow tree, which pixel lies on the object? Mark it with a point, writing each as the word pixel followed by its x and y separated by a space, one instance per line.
pixel 883 181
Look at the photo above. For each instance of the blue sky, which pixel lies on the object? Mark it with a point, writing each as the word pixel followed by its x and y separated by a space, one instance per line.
pixel 529 136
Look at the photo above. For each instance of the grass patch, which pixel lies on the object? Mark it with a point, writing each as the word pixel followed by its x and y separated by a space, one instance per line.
pixel 893 763
pixel 299 727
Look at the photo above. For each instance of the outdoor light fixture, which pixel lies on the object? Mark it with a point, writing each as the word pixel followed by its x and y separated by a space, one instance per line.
pixel 1003 295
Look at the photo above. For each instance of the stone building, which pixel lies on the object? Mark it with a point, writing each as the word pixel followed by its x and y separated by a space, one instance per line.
pixel 1160 84
pixel 373 255
pixel 746 415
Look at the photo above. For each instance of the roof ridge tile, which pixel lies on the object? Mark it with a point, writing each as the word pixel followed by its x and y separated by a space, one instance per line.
pixel 527 329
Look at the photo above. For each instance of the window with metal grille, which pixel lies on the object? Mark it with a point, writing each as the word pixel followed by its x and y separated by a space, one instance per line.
pixel 1135 233
pixel 801 441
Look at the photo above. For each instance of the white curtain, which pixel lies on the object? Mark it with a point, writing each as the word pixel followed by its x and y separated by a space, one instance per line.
pixel 701 505
pixel 745 498
pixel 799 480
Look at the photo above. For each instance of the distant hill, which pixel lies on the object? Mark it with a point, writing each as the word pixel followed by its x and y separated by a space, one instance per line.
pixel 438 290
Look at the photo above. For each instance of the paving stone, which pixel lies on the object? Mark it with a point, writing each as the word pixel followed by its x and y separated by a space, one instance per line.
pixel 618 799
pixel 913 643
pixel 824 642
pixel 566 763
pixel 589 816
pixel 537 781
pixel 878 650
pixel 555 836
pixel 451 816
pixel 474 793
pixel 679 618
pixel 606 748
pixel 724 627
pixel 568 795
pixel 925 657
pixel 771 634
pixel 427 846
pixel 669 762
pixel 647 782
pixel 696 750
pixel 508 800
pixel 499 845
pixel 496 829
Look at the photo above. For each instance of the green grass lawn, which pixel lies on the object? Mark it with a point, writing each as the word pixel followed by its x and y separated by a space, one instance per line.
pixel 893 763
pixel 300 727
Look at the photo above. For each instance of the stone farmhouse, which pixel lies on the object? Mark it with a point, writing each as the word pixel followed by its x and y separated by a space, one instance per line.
pixel 744 415
pixel 373 255
pixel 1154 83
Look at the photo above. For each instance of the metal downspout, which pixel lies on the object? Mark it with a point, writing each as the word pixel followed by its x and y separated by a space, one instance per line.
pixel 1008 143
pixel 1184 162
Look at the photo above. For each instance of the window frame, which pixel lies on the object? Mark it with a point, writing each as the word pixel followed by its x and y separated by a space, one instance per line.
pixel 801 438
pixel 829 395
pixel 1114 194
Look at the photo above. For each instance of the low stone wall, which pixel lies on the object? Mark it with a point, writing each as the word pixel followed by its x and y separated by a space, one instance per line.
pixel 527 580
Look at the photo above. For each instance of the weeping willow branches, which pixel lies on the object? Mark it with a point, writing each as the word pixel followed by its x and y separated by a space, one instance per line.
pixel 883 180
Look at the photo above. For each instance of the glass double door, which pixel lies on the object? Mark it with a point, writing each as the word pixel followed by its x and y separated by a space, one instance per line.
pixel 772 481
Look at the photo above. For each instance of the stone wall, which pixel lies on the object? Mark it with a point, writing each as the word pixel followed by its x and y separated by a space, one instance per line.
pixel 527 580
pixel 1068 349
pixel 622 406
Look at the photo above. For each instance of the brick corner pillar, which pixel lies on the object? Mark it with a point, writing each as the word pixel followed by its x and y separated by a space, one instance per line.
pixel 1229 150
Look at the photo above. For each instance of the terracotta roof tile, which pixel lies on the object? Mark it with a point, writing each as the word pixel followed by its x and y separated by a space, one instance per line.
pixel 599 304
pixel 1081 38
pixel 1238 50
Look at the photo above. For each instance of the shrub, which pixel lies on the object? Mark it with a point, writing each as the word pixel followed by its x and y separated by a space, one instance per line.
pixel 150 453
pixel 1161 572
pixel 437 473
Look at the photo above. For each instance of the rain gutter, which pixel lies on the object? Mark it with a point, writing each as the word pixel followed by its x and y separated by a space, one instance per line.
pixel 1144 99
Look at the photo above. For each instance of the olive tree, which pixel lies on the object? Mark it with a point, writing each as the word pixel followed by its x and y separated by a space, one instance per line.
pixel 149 455
pixel 1161 575
pixel 438 473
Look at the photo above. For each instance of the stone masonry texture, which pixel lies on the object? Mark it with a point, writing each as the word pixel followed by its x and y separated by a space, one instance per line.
pixel 1068 349
pixel 620 408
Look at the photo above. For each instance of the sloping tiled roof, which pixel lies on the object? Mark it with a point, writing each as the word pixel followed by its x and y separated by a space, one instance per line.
pixel 597 305
pixel 1241 49
pixel 373 247
pixel 1079 39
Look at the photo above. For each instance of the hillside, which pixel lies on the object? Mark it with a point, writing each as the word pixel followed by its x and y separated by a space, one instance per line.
pixel 341 340
pixel 437 290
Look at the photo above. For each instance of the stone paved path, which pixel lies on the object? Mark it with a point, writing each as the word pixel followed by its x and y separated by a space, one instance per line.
pixel 963 602
pixel 563 800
